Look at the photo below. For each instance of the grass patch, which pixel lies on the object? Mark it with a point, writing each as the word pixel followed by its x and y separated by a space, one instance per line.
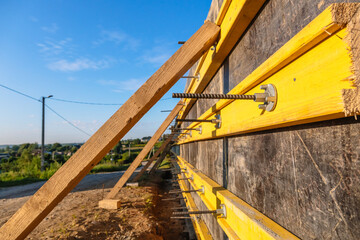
pixel 165 163
pixel 109 167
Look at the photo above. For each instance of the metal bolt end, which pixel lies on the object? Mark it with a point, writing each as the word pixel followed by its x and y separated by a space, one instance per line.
pixel 221 211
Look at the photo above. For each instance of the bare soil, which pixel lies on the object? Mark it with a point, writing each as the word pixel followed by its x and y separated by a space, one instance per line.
pixel 142 215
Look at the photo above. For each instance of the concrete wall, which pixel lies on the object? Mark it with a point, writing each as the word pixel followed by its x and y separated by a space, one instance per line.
pixel 307 177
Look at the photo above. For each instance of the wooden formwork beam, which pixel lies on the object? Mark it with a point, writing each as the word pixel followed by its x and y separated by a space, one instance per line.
pixel 80 164
pixel 156 154
pixel 131 169
pixel 160 159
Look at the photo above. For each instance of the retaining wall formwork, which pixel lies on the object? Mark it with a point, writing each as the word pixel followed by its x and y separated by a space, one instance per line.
pixel 281 172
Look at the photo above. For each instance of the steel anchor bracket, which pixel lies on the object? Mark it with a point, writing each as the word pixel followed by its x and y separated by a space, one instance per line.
pixel 268 97
pixel 221 211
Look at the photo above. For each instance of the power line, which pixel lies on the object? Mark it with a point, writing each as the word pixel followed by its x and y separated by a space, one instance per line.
pixel 18 92
pixel 88 103
pixel 67 120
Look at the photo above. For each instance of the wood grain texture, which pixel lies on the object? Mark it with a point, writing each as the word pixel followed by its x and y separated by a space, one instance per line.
pixel 156 154
pixel 160 159
pixel 124 178
pixel 80 164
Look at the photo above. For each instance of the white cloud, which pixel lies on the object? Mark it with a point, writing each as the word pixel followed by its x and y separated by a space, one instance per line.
pixel 132 84
pixel 53 47
pixel 78 65
pixel 118 37
pixel 50 29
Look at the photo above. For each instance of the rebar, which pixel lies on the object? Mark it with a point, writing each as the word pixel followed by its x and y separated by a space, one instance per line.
pixel 173 199
pixel 213 96
pixel 195 212
pixel 196 120
pixel 186 191
pixel 180 217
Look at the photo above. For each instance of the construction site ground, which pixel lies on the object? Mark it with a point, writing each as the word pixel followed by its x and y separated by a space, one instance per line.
pixel 142 214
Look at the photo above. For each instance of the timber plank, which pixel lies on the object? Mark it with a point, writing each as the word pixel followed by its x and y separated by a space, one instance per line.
pixel 156 154
pixel 80 164
pixel 124 178
pixel 161 158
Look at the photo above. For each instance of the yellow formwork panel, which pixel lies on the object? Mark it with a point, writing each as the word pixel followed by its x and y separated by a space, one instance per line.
pixel 309 87
pixel 242 221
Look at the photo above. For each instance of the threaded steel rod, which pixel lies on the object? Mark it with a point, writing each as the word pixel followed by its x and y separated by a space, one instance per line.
pixel 181 179
pixel 195 212
pixel 192 120
pixel 213 96
pixel 186 191
pixel 180 129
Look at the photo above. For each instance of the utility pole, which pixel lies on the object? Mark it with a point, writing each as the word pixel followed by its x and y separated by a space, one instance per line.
pixel 43 133
pixel 129 148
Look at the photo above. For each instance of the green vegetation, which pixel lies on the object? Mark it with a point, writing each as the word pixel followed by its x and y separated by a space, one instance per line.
pixel 21 164
pixel 165 163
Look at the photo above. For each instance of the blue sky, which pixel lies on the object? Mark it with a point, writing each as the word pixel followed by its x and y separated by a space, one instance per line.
pixel 90 51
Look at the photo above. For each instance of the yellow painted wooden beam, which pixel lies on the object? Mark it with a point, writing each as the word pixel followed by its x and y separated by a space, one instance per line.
pixel 310 73
pixel 201 230
pixel 242 221
pixel 234 17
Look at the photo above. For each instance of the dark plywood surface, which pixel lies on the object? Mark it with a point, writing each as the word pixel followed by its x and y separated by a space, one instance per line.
pixel 306 178
pixel 276 24
pixel 215 86
pixel 210 159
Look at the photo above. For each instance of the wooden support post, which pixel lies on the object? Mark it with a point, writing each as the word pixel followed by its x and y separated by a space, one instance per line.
pixel 124 178
pixel 161 158
pixel 80 164
pixel 142 171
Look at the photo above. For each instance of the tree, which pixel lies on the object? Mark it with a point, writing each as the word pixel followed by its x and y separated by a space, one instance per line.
pixel 118 148
pixel 73 149
pixel 137 141
pixel 55 147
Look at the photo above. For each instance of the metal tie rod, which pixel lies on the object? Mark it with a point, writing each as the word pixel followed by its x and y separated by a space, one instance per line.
pixel 195 212
pixel 173 199
pixel 213 96
pixel 187 191
pixel 184 129
pixel 221 210
pixel 198 120
pixel 268 97
pixel 202 189
pixel 182 179
pixel 180 217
